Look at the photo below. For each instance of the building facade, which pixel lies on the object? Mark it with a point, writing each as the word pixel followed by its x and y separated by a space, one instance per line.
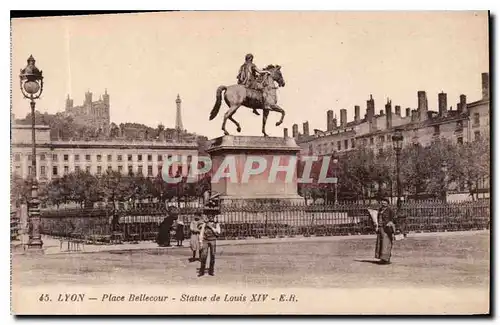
pixel 469 121
pixel 57 158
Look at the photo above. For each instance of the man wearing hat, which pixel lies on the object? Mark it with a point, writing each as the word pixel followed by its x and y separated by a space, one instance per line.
pixel 210 229
pixel 386 230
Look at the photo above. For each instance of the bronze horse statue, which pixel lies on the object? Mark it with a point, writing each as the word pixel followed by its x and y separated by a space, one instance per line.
pixel 238 95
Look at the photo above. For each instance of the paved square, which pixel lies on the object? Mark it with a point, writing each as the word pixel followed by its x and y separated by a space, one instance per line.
pixel 434 260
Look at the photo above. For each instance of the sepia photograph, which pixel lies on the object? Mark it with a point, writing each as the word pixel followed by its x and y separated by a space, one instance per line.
pixel 251 163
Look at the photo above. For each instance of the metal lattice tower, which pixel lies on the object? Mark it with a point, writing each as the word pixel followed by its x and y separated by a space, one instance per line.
pixel 178 117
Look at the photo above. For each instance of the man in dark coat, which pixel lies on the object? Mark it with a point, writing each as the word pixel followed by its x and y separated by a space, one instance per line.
pixel 386 230
pixel 166 227
pixel 209 231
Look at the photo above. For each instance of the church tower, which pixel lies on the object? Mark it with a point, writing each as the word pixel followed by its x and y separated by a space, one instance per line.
pixel 178 118
pixel 69 103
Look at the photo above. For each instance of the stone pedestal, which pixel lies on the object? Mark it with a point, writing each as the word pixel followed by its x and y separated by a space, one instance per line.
pixel 233 156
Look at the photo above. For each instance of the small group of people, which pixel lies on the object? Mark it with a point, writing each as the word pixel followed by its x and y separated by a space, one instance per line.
pixel 169 223
pixel 204 231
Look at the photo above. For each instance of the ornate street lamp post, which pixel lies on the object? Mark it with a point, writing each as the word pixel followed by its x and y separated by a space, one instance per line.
pixel 397 142
pixel 31 83
pixel 444 170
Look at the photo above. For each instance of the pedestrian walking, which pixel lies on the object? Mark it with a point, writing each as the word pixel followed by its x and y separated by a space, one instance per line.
pixel 210 229
pixel 194 229
pixel 386 230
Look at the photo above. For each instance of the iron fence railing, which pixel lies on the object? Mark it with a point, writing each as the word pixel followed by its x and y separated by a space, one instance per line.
pixel 14 224
pixel 255 220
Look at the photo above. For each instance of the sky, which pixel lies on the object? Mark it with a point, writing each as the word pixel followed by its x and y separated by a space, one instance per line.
pixel 330 60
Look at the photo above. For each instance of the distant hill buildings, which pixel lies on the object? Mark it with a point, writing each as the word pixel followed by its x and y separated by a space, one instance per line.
pixel 83 138
pixel 94 114
pixel 91 122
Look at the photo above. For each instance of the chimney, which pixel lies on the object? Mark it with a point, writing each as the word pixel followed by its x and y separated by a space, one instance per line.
pixel 295 130
pixel 397 110
pixel 485 85
pixel 329 120
pixel 285 132
pixel 463 104
pixel 442 104
pixel 408 112
pixel 305 127
pixel 381 112
pixel 370 109
pixel 422 105
pixel 335 122
pixel 388 114
pixel 414 115
pixel 343 117
pixel 356 113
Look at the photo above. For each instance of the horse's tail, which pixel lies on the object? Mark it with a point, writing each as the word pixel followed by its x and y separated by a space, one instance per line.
pixel 218 102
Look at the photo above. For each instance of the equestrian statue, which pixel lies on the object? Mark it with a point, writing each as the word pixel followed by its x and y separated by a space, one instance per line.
pixel 255 89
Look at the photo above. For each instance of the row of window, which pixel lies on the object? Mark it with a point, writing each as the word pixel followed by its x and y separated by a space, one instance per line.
pixel 344 145
pixel 459 126
pixel 55 170
pixel 381 140
pixel 99 158
pixel 339 145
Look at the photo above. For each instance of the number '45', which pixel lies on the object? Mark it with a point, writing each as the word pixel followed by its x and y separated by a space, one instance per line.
pixel 44 297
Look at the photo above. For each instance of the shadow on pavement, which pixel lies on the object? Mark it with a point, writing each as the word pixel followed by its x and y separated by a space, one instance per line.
pixel 367 261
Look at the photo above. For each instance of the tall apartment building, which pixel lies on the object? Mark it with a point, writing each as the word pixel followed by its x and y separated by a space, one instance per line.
pixel 468 121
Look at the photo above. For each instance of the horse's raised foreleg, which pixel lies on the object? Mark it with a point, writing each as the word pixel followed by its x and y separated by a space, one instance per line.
pixel 228 115
pixel 278 109
pixel 264 120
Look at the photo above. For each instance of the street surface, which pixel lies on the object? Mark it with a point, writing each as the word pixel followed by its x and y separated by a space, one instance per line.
pixel 447 260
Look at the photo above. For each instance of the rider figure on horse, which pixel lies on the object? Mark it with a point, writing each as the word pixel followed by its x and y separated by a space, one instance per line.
pixel 247 76
pixel 256 89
